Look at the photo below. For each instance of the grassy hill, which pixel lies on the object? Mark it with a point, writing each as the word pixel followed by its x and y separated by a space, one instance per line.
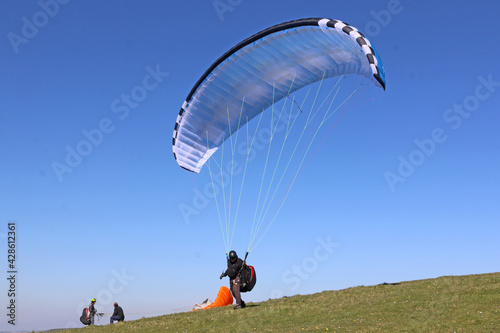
pixel 447 304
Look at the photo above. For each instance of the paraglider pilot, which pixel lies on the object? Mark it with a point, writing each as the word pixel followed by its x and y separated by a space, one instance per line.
pixel 234 266
pixel 92 311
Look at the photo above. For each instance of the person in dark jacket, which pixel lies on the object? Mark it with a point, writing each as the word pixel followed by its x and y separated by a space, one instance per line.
pixel 117 314
pixel 234 265
pixel 92 311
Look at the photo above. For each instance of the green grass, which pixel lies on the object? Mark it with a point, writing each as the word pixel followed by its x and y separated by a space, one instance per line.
pixel 447 304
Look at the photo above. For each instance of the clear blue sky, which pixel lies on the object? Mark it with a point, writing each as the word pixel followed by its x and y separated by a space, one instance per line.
pixel 110 226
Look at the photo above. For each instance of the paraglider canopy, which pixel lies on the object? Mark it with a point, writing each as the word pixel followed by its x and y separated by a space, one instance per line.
pixel 224 297
pixel 262 70
pixel 252 77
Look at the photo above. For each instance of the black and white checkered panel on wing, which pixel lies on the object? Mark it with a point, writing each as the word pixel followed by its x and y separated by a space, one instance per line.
pixel 360 39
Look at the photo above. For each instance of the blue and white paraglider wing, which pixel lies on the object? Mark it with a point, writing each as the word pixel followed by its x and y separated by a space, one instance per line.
pixel 262 70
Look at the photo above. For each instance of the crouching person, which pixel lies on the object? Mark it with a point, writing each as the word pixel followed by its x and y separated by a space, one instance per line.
pixel 117 314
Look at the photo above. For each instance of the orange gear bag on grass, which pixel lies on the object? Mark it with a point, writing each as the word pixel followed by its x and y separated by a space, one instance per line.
pixel 224 297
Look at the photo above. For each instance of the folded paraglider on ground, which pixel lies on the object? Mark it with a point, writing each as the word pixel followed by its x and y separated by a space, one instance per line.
pixel 223 298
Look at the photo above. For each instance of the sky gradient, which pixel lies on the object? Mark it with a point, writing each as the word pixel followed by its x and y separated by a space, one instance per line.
pixel 405 187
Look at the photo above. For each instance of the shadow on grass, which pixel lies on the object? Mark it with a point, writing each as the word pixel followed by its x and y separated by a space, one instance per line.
pixel 249 306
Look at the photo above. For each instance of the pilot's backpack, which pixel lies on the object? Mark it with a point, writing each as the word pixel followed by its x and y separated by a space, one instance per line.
pixel 85 317
pixel 248 278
